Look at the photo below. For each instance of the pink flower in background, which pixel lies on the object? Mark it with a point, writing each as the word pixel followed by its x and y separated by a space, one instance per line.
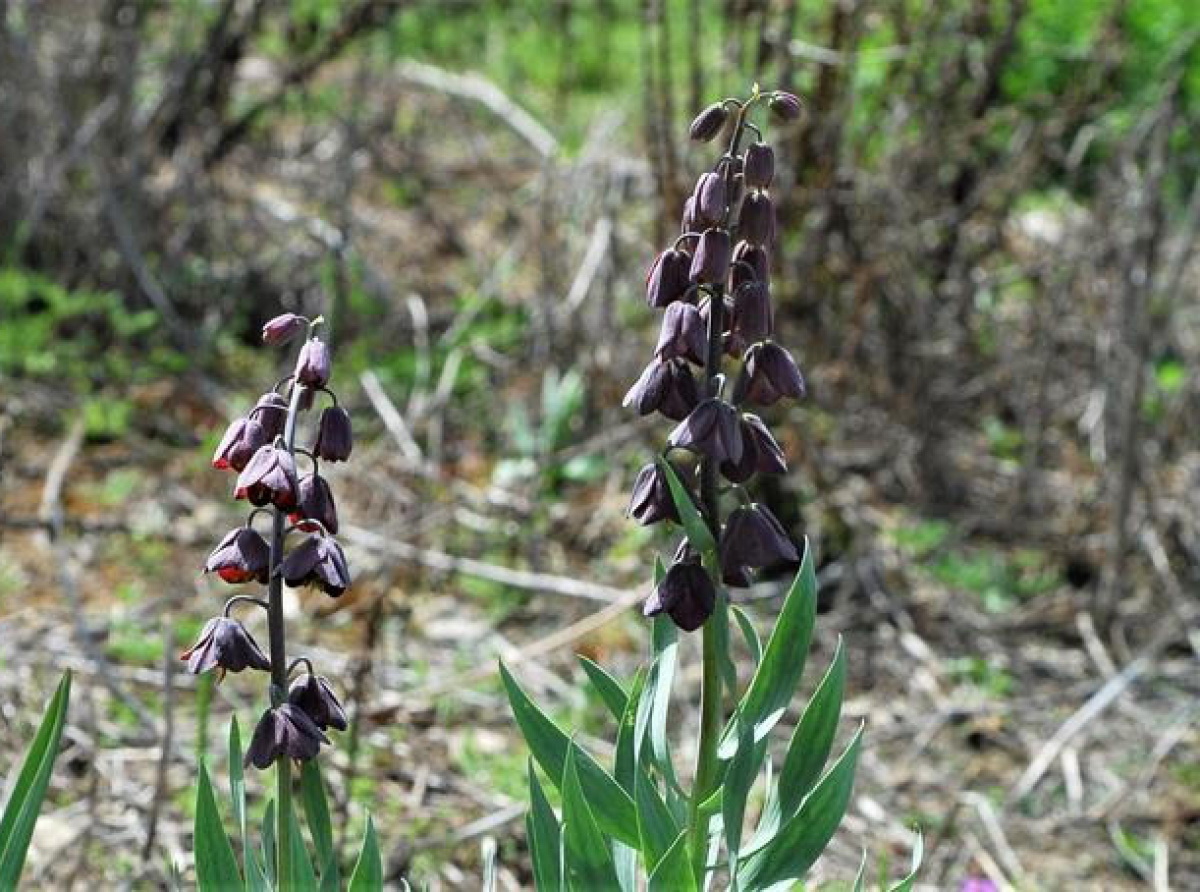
pixel 978 884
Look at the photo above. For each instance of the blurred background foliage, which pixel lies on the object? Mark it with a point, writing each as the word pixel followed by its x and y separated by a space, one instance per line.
pixel 987 256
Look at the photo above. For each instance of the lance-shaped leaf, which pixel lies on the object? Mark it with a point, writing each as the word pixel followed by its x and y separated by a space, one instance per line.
pixel 626 758
pixel 739 778
pixel 802 838
pixel 268 842
pixel 545 838
pixel 28 793
pixel 698 533
pixel 256 880
pixel 611 805
pixel 316 810
pixel 304 879
pixel 906 884
pixel 609 689
pixel 657 827
pixel 216 867
pixel 673 873
pixel 588 857
pixel 753 642
pixel 368 870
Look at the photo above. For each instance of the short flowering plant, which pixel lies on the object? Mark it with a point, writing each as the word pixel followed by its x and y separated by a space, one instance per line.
pixel 636 825
pixel 299 550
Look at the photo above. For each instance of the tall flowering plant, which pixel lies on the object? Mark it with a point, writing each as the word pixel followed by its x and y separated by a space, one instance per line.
pixel 635 824
pixel 299 550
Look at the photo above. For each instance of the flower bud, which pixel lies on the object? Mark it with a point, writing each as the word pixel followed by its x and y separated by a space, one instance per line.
pixel 334 439
pixel 758 169
pixel 317 561
pixel 224 644
pixel 271 411
pixel 241 556
pixel 284 731
pixel 785 106
pixel 708 123
pixel 682 335
pixel 269 478
pixel 314 501
pixel 666 387
pixel 750 264
pixel 709 198
pixel 685 593
pixel 283 328
pixel 689 223
pixel 756 222
pixel 313 365
pixel 315 698
pixel 711 262
pixel 752 317
pixel 668 278
pixel 651 500
pixel 768 374
pixel 711 429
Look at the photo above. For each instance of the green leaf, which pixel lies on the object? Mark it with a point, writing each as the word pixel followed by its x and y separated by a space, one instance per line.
pixel 813 738
pixel 625 861
pixel 783 660
pixel 29 792
pixel 303 878
pixel 739 778
pixel 256 880
pixel 316 811
pixel 720 626
pixel 657 827
pixel 697 530
pixel 589 861
pixel 368 871
pixel 803 837
pixel 268 842
pixel 860 879
pixel 545 838
pixel 606 686
pixel 613 807
pixel 748 632
pixel 216 867
pixel 906 884
pixel 673 873
pixel 626 758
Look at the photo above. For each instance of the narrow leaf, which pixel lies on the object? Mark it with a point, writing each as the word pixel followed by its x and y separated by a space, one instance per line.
pixel 256 880
pixel 612 806
pixel 626 758
pixel 813 738
pixel 609 689
pixel 753 642
pixel 673 873
pixel 304 879
pixel 906 884
pixel 739 778
pixel 589 861
pixel 216 867
pixel 368 871
pixel 268 842
pixel 657 827
pixel 697 530
pixel 545 838
pixel 316 812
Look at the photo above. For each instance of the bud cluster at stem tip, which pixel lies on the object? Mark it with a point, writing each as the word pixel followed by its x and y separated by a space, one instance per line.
pixel 260 448
pixel 713 287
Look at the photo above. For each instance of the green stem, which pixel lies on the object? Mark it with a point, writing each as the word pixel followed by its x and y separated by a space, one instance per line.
pixel 283 825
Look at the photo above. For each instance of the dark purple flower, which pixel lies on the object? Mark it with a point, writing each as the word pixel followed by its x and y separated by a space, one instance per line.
pixel 317 561
pixel 651 500
pixel 271 412
pixel 241 556
pixel 708 123
pixel 314 501
pixel 749 265
pixel 334 439
pixel 756 222
pixel 754 538
pixel 752 318
pixel 284 731
pixel 760 453
pixel 709 198
pixel 224 644
pixel 313 365
pixel 758 169
pixel 683 335
pixel 769 374
pixel 668 278
pixel 785 106
pixel 313 695
pixel 686 594
pixel 710 264
pixel 711 429
pixel 688 222
pixel 283 328
pixel 269 478
pixel 242 440
pixel 666 387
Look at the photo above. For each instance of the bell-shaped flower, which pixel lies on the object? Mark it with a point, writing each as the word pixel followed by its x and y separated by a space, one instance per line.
pixel 683 334
pixel 754 538
pixel 241 556
pixel 334 437
pixel 651 500
pixel 768 375
pixel 785 106
pixel 242 440
pixel 313 365
pixel 224 644
pixel 753 318
pixel 283 328
pixel 756 222
pixel 686 594
pixel 711 429
pixel 271 412
pixel 758 166
pixel 750 264
pixel 667 280
pixel 317 561
pixel 269 478
pixel 666 387
pixel 315 502
pixel 312 694
pixel 708 123
pixel 286 731
pixel 709 196
pixel 710 263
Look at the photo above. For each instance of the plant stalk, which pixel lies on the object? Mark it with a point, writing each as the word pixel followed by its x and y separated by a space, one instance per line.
pixel 278 645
